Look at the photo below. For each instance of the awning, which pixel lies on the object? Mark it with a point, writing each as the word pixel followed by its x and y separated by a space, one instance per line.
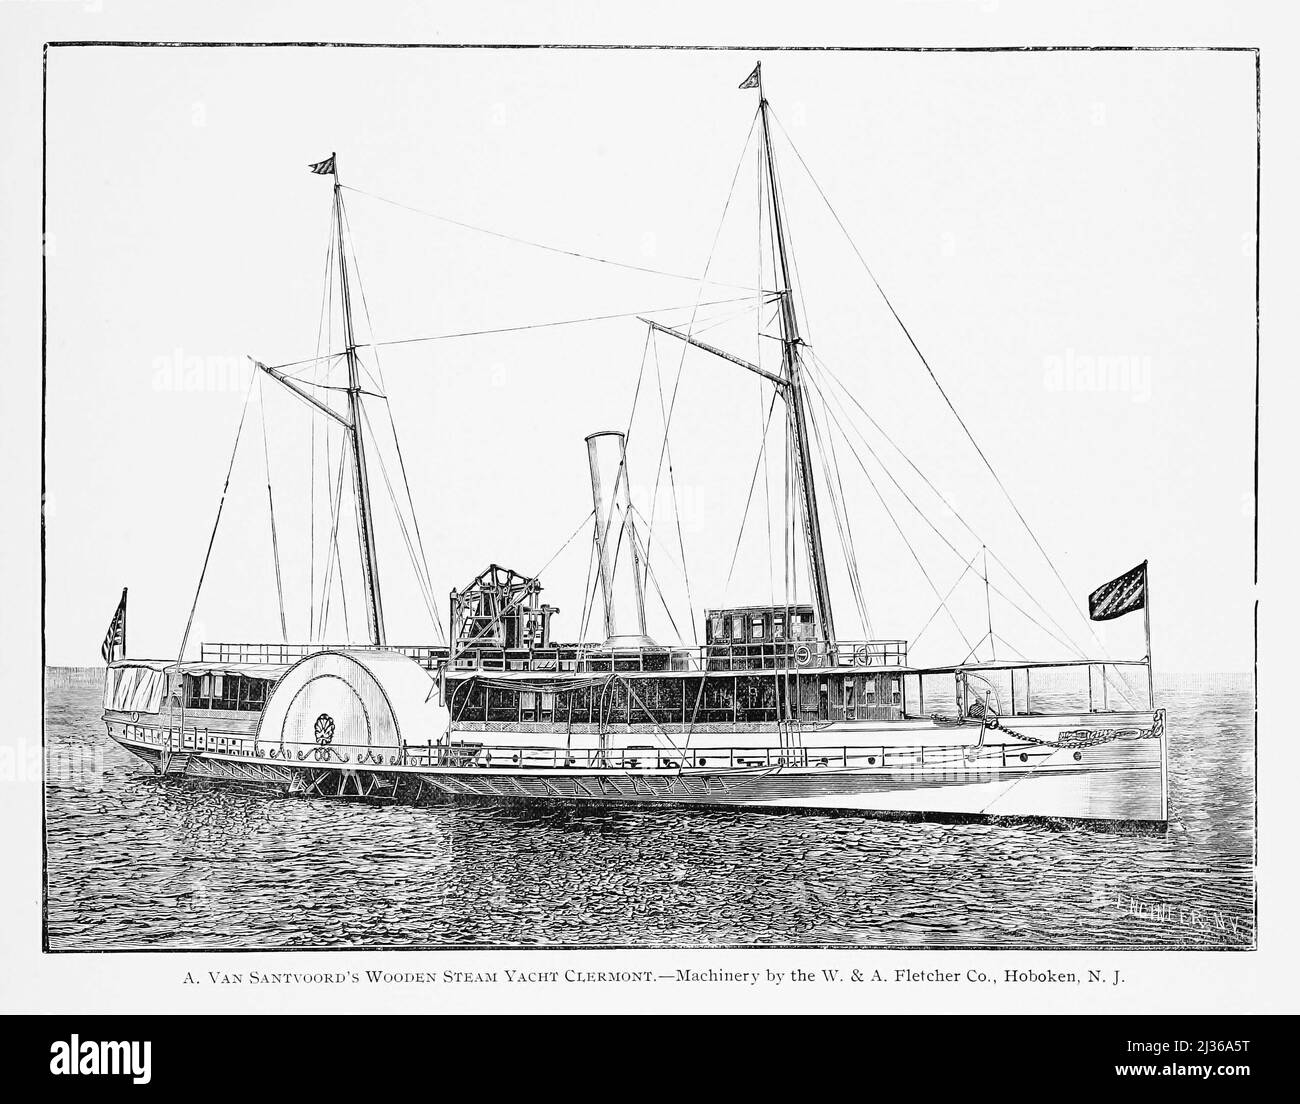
pixel 271 671
pixel 135 686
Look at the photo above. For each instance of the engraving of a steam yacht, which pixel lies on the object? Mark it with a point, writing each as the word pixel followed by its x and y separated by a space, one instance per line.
pixel 773 709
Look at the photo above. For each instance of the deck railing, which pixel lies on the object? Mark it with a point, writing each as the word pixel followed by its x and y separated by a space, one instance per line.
pixel 543 757
pixel 595 658
pixel 894 756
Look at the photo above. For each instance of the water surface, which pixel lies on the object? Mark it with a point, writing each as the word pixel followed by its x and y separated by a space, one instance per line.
pixel 138 863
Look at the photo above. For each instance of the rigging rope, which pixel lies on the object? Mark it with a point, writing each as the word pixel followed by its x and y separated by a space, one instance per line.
pixel 334 554
pixel 221 505
pixel 426 590
pixel 956 583
pixel 270 501
pixel 944 394
pixel 327 284
pixel 654 581
pixel 523 327
pixel 539 245
pixel 872 483
pixel 830 460
pixel 397 444
pixel 681 540
pixel 690 327
pixel 1069 642
pixel 749 497
pixel 588 592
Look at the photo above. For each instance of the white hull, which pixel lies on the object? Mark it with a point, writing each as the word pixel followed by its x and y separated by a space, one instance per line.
pixel 1122 780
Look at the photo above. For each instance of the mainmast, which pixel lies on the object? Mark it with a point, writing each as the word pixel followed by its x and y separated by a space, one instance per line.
pixel 792 370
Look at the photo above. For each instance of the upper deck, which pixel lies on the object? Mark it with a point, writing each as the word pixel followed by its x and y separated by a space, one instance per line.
pixel 569 659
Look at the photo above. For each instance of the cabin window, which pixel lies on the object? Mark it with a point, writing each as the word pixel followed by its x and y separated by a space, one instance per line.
pixel 502 705
pixel 869 687
pixel 715 627
pixel 225 692
pixel 737 629
pixel 849 697
pixel 778 626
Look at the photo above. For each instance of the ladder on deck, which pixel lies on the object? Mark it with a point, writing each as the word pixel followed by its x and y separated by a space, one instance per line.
pixel 174 762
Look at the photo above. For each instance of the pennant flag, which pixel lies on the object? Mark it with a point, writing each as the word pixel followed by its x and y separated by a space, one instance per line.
pixel 752 81
pixel 324 168
pixel 116 636
pixel 1119 596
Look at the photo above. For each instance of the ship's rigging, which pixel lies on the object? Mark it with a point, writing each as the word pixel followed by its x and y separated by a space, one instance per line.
pixel 823 419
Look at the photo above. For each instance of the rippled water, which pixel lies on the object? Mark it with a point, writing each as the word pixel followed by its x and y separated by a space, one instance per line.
pixel 134 862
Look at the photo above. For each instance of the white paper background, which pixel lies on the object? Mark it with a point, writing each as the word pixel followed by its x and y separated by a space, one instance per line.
pixel 1157 982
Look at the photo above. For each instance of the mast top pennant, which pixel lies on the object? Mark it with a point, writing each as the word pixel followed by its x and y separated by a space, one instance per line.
pixel 754 80
pixel 323 168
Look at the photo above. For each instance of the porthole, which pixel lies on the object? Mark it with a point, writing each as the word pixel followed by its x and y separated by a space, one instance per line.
pixel 1024 758
pixel 871 760
pixel 1078 755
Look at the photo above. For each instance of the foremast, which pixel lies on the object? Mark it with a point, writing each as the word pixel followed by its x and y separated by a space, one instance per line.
pixel 352 422
pixel 360 477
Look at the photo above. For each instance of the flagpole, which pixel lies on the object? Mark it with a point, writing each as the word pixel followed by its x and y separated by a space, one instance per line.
pixel 124 653
pixel 1146 616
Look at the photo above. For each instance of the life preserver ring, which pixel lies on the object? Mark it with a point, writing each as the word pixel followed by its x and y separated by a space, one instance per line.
pixel 861 656
pixel 803 655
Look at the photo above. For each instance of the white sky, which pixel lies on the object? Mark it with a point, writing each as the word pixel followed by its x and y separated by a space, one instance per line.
pixel 1023 211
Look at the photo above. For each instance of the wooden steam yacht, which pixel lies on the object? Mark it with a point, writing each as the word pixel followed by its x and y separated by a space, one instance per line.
pixel 774 709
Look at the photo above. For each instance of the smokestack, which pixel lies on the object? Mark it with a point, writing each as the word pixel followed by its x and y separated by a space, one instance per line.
pixel 617 550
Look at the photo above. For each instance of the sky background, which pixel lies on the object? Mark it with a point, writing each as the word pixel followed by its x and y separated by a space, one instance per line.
pixel 1026 213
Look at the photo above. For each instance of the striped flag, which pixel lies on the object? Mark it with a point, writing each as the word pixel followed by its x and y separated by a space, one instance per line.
pixel 1119 596
pixel 323 168
pixel 755 78
pixel 116 635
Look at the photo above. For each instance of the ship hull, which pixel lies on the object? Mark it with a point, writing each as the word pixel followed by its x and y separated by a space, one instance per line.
pixel 1122 780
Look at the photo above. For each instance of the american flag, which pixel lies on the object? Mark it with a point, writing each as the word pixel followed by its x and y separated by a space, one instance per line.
pixel 116 636
pixel 1119 596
